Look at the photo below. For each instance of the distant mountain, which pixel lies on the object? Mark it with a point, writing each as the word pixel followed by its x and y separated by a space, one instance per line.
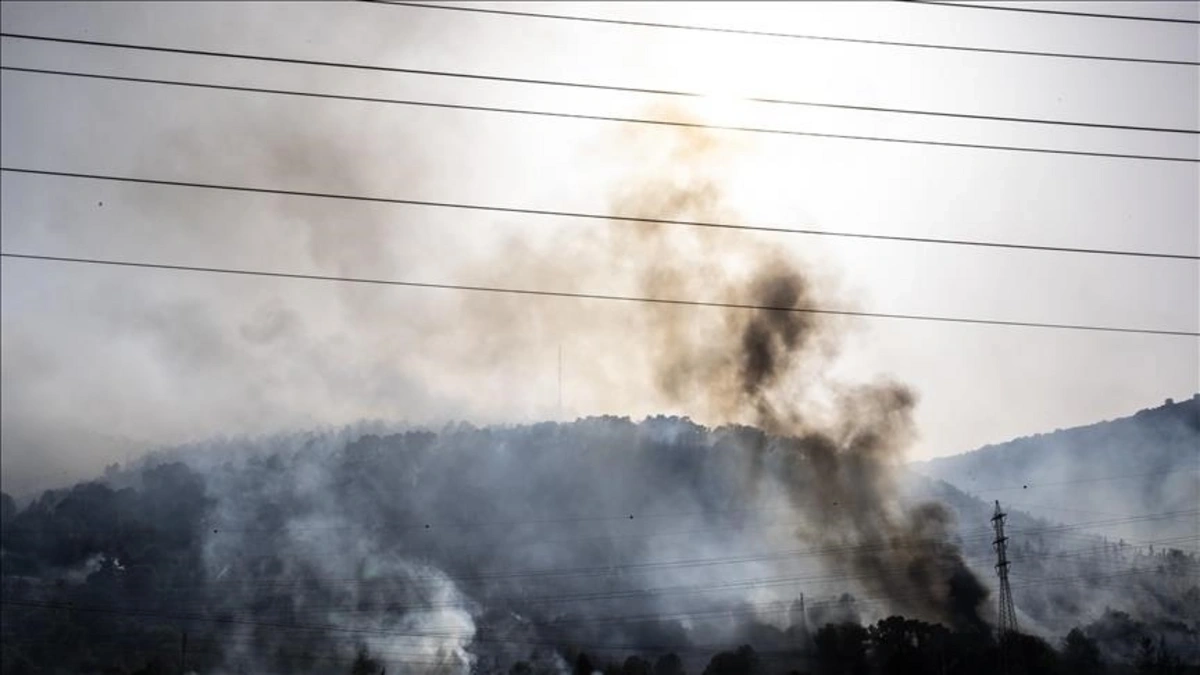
pixel 1136 477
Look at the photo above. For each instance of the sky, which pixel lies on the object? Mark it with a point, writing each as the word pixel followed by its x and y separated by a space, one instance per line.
pixel 100 364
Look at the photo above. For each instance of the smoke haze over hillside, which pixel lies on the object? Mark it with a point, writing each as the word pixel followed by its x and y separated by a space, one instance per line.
pixel 487 546
pixel 702 462
pixel 828 469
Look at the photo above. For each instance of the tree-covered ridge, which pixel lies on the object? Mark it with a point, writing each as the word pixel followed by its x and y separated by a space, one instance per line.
pixel 602 544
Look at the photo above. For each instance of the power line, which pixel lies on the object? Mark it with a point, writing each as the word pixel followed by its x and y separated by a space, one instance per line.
pixel 1092 578
pixel 655 91
pixel 649 567
pixel 594 296
pixel 1063 509
pixel 400 657
pixel 434 525
pixel 392 632
pixel 897 573
pixel 774 34
pixel 616 515
pixel 640 120
pixel 522 542
pixel 744 609
pixel 386 632
pixel 281 585
pixel 1052 12
pixel 669 123
pixel 823 578
pixel 967 537
pixel 1085 480
pixel 583 215
pixel 752 609
pixel 710 514
pixel 1059 529
pixel 644 566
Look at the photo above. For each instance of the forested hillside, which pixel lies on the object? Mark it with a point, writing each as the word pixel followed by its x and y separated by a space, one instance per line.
pixel 603 544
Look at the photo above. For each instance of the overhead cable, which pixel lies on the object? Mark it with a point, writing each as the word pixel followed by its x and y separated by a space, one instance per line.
pixel 610 218
pixel 795 36
pixel 1053 12
pixel 618 119
pixel 591 296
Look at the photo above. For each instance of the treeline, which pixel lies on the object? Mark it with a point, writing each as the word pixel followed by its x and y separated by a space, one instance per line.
pixel 900 646
pixel 892 646
pixel 92 575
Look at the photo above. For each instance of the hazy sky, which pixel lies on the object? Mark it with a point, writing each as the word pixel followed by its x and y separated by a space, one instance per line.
pixel 100 363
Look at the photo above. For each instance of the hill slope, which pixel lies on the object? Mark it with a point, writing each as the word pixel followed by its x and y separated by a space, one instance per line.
pixel 1136 477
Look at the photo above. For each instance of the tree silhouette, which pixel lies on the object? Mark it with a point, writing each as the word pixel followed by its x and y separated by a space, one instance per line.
pixel 742 661
pixel 364 664
pixel 668 664
pixel 841 649
pixel 1080 654
pixel 636 665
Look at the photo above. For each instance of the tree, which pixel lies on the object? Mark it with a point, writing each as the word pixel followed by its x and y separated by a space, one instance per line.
pixel 1080 653
pixel 1147 659
pixel 364 664
pixel 901 646
pixel 155 666
pixel 8 508
pixel 841 648
pixel 743 661
pixel 636 665
pixel 668 664
pixel 1156 660
pixel 1030 654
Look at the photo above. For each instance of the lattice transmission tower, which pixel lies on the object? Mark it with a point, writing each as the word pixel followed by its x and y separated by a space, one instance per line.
pixel 1007 622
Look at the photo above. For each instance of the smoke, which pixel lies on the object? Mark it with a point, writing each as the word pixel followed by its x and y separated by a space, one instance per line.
pixel 394 607
pixel 470 549
pixel 480 547
pixel 769 367
pixel 822 452
pixel 762 365
pixel 837 446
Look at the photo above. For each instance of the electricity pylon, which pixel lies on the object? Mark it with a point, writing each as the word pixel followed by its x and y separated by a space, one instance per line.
pixel 1007 622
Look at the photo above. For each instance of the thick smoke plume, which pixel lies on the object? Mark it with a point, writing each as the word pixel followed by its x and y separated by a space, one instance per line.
pixel 761 366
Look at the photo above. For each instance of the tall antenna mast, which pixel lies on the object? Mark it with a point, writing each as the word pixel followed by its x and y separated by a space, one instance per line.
pixel 1007 621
